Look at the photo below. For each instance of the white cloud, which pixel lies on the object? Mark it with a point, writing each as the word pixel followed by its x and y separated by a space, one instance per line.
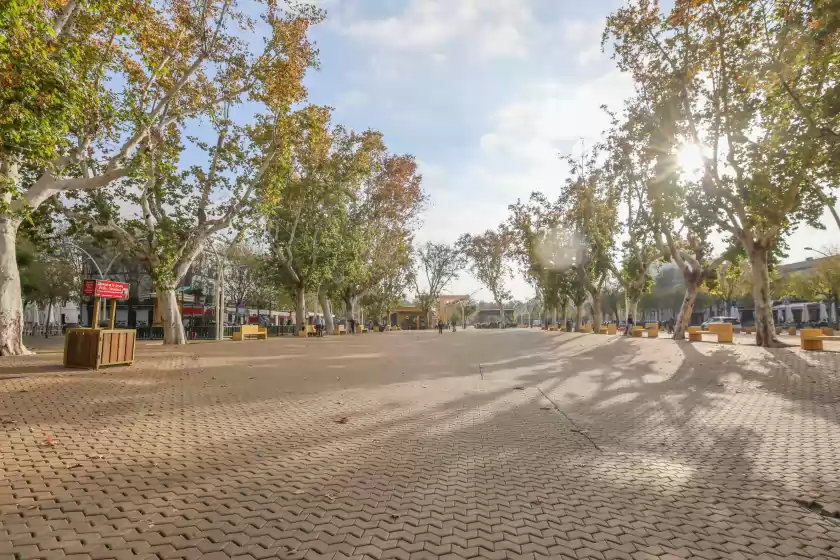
pixel 485 28
pixel 528 135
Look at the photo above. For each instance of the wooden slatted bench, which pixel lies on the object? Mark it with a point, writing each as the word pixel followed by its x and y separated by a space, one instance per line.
pixel 637 331
pixel 340 329
pixel 652 330
pixel 812 339
pixel 250 331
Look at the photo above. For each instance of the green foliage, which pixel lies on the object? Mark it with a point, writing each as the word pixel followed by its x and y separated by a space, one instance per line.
pixel 51 273
pixel 487 255
pixel 438 264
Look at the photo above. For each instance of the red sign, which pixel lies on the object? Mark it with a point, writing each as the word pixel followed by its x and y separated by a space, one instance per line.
pixel 105 289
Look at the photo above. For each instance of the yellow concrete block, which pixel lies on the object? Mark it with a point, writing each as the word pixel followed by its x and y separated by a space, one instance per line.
pixel 813 344
pixel 612 329
pixel 724 331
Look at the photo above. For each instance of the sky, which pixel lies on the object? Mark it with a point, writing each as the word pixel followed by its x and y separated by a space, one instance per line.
pixel 486 94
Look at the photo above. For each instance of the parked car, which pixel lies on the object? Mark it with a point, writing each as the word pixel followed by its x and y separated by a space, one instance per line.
pixel 734 321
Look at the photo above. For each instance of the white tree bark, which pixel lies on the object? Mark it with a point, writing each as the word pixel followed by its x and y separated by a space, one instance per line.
pixel 501 314
pixel 765 329
pixel 632 306
pixel 326 308
pixel 300 307
pixel 596 312
pixel 173 327
pixel 11 310
pixel 578 317
pixel 687 308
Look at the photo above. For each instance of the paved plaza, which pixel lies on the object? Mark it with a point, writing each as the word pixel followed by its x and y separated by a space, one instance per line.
pixel 476 444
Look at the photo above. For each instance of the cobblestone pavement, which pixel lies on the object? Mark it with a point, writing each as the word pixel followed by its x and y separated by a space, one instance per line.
pixel 414 445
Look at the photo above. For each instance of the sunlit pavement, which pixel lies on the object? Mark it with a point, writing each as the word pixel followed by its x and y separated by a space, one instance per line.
pixel 415 445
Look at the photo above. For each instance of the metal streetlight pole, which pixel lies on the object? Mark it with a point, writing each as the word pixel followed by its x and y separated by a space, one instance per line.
pixel 220 294
pixel 820 252
pixel 98 270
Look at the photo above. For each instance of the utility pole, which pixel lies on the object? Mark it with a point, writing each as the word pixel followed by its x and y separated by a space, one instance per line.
pixel 220 294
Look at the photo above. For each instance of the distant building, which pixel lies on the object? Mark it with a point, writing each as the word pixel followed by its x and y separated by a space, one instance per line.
pixel 488 312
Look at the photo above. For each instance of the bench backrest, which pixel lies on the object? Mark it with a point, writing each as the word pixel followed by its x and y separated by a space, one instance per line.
pixel 694 329
pixel 342 328
pixel 249 329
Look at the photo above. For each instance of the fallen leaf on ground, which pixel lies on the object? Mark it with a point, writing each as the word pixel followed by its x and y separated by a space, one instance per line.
pixel 49 441
pixel 519 388
pixel 76 466
pixel 545 408
pixel 300 491
pixel 338 402
pixel 343 420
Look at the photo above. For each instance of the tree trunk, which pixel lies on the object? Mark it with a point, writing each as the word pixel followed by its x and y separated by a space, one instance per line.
pixel 765 330
pixel 596 313
pixel 565 314
pixel 326 309
pixel 632 306
pixel 687 308
pixel 47 319
pixel 173 327
pixel 501 314
pixel 11 305
pixel 578 317
pixel 300 307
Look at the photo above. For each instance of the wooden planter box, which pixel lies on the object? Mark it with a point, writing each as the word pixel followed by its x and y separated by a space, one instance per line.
pixel 92 348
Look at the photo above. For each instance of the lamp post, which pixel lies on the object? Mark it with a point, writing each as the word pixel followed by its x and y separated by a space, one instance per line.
pixel 219 296
pixel 820 252
pixel 98 270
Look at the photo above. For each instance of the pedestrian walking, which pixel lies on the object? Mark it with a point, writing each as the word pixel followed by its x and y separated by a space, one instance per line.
pixel 319 327
pixel 629 327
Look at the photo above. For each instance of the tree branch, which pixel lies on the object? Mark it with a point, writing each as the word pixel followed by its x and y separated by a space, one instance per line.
pixel 63 19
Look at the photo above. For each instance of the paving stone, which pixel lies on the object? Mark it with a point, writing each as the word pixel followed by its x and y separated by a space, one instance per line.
pixel 234 450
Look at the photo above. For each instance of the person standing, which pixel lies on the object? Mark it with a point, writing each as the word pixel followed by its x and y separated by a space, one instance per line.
pixel 352 326
pixel 440 326
pixel 319 326
pixel 629 328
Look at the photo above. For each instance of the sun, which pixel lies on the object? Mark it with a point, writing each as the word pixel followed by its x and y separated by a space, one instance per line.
pixel 690 160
